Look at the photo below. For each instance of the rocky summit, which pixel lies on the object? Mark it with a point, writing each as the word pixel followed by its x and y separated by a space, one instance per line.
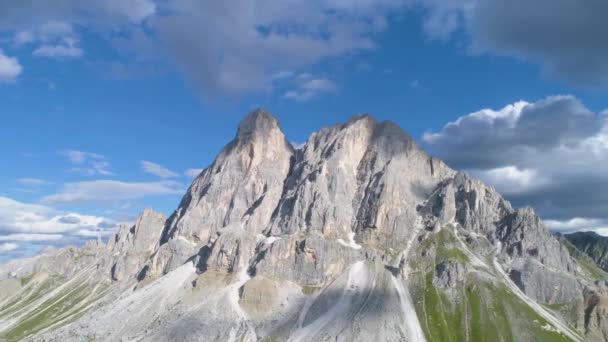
pixel 359 235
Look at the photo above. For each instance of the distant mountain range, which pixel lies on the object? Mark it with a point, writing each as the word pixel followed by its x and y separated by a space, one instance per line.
pixel 593 245
pixel 359 235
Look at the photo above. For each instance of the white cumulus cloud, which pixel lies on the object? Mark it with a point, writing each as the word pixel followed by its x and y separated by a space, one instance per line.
pixel 23 221
pixel 551 154
pixel 510 180
pixel 8 247
pixel 10 68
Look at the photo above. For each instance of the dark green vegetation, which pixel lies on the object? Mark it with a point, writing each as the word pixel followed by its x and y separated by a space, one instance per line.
pixel 583 253
pixel 593 246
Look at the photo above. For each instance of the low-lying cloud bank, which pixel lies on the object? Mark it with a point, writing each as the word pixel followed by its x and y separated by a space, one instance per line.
pixel 26 228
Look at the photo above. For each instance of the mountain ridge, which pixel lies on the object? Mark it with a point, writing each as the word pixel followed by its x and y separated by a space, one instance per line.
pixel 591 244
pixel 358 231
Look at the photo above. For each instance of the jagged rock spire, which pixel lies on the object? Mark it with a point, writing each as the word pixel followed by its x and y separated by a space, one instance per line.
pixel 241 188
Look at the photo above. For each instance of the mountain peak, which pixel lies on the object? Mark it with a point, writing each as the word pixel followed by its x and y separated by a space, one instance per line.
pixel 367 117
pixel 257 123
pixel 360 212
pixel 387 130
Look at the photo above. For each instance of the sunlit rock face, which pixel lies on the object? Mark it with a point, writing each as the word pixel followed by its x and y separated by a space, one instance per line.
pixel 242 187
pixel 358 235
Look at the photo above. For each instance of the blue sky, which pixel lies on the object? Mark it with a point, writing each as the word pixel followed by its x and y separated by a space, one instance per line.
pixel 108 107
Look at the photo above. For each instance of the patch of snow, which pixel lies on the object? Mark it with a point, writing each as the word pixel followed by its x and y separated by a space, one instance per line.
pixel 266 240
pixel 351 242
pixel 271 239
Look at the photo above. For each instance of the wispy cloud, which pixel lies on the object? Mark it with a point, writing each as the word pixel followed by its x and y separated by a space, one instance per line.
pixel 58 51
pixel 80 157
pixel 31 185
pixel 308 87
pixel 88 163
pixel 110 190
pixel 192 173
pixel 33 182
pixel 157 169
pixel 56 39
pixel 31 237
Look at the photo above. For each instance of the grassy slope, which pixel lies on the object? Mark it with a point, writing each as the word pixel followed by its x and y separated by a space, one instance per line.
pixel 585 262
pixel 477 309
pixel 58 309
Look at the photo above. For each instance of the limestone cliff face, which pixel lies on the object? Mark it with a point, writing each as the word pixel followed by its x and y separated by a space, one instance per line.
pixel 358 235
pixel 363 178
pixel 131 247
pixel 243 185
pixel 241 188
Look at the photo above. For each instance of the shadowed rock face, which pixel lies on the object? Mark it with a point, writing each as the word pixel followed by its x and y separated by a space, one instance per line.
pixel 358 235
pixel 592 244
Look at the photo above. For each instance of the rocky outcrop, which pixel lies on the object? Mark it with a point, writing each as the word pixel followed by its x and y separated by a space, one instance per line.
pixel 596 312
pixel 524 235
pixel 132 246
pixel 448 274
pixel 231 251
pixel 308 260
